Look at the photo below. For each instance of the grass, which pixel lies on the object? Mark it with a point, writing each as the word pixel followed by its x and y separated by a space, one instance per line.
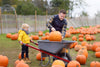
pixel 11 49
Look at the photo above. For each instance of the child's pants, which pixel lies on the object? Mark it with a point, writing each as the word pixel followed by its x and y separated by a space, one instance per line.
pixel 24 50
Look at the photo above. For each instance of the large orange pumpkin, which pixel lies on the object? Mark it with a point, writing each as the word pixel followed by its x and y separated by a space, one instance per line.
pixel 8 35
pixel 97 54
pixel 3 61
pixel 20 55
pixel 73 64
pixel 38 57
pixel 55 36
pixel 81 59
pixel 95 64
pixel 58 62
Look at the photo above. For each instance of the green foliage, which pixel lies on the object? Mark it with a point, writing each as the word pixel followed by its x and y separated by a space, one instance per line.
pixel 26 8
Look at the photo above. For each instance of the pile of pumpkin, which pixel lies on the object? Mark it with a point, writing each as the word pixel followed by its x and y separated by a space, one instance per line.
pixel 13 37
pixel 84 33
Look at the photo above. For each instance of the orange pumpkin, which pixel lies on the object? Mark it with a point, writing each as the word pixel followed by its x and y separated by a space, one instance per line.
pixel 14 37
pixel 83 51
pixel 98 49
pixel 68 34
pixel 56 66
pixel 81 59
pixel 35 37
pixel 55 36
pixel 20 55
pixel 81 35
pixel 93 37
pixel 73 64
pixel 16 62
pixel 81 39
pixel 89 47
pixel 3 61
pixel 43 38
pixel 88 38
pixel 84 43
pixel 22 65
pixel 95 45
pixel 95 64
pixel 58 62
pixel 47 37
pixel 38 57
pixel 97 54
pixel 47 33
pixel 77 47
pixel 8 35
pixel 40 33
pixel 74 44
pixel 74 38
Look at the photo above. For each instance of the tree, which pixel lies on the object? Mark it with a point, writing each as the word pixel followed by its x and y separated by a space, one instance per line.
pixel 5 2
pixel 60 4
pixel 26 8
pixel 84 13
pixel 68 5
pixel 97 14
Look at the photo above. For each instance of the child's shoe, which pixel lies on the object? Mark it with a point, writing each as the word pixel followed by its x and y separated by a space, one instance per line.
pixel 27 60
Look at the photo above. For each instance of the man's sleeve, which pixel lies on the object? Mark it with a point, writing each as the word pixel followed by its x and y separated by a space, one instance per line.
pixel 64 29
pixel 49 22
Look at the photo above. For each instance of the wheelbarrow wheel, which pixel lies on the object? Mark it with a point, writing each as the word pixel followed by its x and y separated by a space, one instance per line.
pixel 66 56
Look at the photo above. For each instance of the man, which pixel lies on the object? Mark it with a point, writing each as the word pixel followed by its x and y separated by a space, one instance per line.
pixel 59 23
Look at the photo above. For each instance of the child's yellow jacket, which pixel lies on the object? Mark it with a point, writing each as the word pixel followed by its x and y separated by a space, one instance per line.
pixel 23 37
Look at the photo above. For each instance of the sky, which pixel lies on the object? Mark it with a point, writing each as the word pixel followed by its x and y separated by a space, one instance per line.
pixel 92 7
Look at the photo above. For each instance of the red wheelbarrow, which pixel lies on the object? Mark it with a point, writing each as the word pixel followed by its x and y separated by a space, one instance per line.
pixel 49 48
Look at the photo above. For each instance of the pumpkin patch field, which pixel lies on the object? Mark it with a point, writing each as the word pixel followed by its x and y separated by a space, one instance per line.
pixel 85 52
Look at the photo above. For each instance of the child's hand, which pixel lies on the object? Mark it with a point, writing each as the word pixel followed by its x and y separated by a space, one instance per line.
pixel 20 42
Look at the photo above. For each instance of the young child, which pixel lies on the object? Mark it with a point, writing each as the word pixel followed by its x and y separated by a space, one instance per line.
pixel 25 39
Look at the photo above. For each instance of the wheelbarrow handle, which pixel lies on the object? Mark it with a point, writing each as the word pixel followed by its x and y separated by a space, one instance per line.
pixel 34 43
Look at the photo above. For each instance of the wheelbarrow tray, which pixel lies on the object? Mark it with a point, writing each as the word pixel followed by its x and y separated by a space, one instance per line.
pixel 53 46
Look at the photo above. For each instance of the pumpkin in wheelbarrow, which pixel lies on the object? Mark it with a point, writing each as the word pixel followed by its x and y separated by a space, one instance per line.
pixel 58 62
pixel 55 36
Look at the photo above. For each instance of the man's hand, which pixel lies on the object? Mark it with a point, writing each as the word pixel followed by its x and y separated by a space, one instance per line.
pixel 53 29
